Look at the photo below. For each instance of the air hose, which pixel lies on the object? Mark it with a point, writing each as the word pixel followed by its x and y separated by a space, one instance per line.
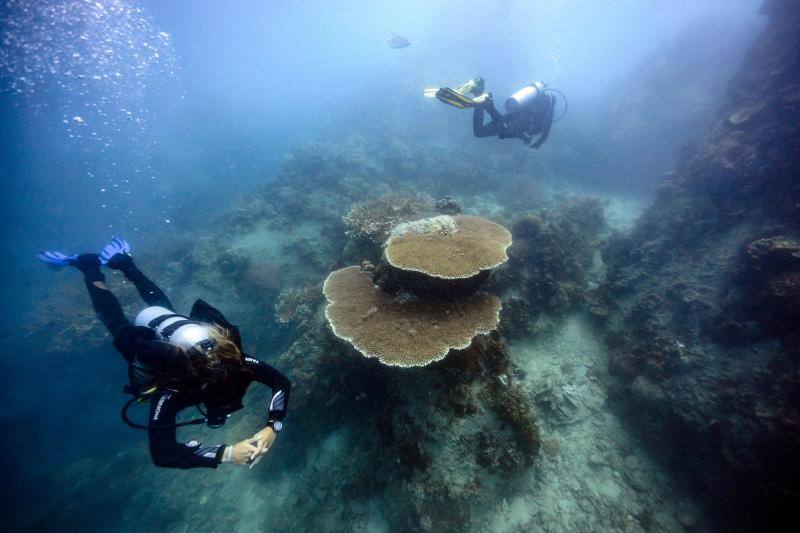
pixel 566 103
pixel 145 396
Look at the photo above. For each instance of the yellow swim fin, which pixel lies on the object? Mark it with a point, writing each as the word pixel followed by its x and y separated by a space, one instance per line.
pixel 450 97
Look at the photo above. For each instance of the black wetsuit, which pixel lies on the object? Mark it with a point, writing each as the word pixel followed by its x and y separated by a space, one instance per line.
pixel 524 125
pixel 145 354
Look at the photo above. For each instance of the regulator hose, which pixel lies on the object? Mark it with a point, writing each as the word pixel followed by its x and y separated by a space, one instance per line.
pixel 566 103
pixel 144 396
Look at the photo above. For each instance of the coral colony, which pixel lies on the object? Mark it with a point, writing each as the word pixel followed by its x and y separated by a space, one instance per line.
pixel 414 326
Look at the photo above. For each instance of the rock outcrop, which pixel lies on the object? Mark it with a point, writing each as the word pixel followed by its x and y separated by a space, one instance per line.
pixel 703 295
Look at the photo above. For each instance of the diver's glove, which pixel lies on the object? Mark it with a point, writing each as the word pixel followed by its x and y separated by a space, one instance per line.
pixel 57 258
pixel 114 254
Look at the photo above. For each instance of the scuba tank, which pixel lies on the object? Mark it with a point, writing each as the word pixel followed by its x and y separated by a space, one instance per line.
pixel 526 96
pixel 175 329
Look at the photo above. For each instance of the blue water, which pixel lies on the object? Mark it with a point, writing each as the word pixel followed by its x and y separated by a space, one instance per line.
pixel 151 120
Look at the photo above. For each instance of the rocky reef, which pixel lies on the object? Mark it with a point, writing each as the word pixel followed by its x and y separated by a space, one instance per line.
pixel 430 438
pixel 700 305
pixel 421 460
pixel 697 305
pixel 553 265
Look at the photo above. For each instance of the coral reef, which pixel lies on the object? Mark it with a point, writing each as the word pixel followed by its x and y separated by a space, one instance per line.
pixel 428 438
pixel 426 257
pixel 448 247
pixel 403 332
pixel 374 218
pixel 701 298
pixel 397 313
pixel 294 303
pixel 551 264
pixel 248 212
pixel 448 206
pixel 451 445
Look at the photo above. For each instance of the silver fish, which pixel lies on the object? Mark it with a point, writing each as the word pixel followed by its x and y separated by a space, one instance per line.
pixel 397 41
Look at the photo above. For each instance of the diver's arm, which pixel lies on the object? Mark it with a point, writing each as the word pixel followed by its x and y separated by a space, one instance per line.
pixel 280 385
pixel 542 137
pixel 164 449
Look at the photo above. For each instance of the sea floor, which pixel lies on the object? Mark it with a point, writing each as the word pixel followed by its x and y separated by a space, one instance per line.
pixel 592 475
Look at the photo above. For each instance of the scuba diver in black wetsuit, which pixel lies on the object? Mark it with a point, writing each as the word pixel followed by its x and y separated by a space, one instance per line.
pixel 529 115
pixel 529 111
pixel 178 362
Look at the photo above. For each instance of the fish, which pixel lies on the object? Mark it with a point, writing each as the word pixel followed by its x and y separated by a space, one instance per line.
pixel 397 41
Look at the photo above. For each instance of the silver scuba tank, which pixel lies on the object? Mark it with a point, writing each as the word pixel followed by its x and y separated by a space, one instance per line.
pixel 173 328
pixel 523 98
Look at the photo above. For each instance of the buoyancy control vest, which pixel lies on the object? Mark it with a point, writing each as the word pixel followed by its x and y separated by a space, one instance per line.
pixel 173 331
pixel 190 334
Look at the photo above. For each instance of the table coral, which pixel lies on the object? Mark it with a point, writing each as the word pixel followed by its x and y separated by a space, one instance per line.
pixel 413 332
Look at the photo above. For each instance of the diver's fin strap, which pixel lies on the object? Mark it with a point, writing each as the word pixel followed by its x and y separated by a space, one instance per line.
pixel 450 97
pixel 167 332
pixel 153 324
pixel 466 87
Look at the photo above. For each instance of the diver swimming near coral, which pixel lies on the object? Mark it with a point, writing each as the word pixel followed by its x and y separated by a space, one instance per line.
pixel 529 111
pixel 178 362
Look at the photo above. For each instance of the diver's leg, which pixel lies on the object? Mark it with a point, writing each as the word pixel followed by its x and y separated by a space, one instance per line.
pixel 492 110
pixel 479 129
pixel 149 291
pixel 105 304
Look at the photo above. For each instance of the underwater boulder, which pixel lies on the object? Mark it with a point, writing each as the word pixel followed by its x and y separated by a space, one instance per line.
pixel 770 255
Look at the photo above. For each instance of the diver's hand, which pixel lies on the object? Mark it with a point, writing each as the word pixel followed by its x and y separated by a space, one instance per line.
pixel 263 440
pixel 242 452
